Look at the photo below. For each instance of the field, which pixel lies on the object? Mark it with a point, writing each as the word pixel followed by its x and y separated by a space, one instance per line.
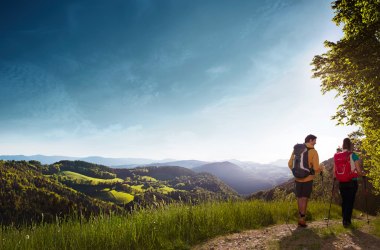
pixel 169 227
pixel 114 196
pixel 121 197
pixel 80 178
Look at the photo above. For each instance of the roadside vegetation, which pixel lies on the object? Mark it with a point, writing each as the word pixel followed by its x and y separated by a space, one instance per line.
pixel 177 226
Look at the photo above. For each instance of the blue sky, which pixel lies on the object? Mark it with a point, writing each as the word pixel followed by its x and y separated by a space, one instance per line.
pixel 207 80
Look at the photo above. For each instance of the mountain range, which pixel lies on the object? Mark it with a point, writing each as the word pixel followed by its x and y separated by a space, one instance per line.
pixel 107 161
pixel 246 178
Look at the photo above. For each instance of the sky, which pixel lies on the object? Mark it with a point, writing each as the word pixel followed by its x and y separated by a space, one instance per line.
pixel 204 79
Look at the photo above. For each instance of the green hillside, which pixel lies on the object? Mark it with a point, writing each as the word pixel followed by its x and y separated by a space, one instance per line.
pixel 27 196
pixel 114 196
pixel 142 185
pixel 83 179
pixel 34 192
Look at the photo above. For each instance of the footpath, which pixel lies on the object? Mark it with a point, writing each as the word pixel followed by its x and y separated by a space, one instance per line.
pixel 289 236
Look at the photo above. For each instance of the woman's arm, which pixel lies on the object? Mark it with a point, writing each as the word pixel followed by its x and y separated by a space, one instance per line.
pixel 358 168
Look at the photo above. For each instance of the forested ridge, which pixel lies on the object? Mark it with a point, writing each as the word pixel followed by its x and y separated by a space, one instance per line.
pixel 31 192
pixel 26 196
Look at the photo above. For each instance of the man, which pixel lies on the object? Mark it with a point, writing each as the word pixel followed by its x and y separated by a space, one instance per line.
pixel 304 185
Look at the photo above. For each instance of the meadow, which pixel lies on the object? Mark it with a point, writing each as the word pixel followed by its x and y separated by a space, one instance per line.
pixel 176 226
pixel 80 178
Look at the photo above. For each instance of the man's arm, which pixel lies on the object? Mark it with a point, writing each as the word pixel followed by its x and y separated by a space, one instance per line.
pixel 290 162
pixel 315 163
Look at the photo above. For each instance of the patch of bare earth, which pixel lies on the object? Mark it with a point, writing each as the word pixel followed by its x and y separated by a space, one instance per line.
pixel 315 236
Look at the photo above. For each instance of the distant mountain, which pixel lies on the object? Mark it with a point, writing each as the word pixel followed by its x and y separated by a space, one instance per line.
pixel 255 165
pixel 118 161
pixel 280 163
pixel 184 163
pixel 41 158
pixel 247 178
pixel 113 162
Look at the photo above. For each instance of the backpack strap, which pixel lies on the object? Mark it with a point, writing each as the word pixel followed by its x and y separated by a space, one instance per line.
pixel 308 149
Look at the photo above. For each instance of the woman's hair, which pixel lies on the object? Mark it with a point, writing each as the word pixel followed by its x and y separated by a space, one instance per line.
pixel 347 144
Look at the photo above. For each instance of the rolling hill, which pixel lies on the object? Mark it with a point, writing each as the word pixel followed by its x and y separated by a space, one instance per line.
pixel 35 192
pixel 27 195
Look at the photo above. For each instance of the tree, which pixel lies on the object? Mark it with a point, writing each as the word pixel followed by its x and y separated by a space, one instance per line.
pixel 351 67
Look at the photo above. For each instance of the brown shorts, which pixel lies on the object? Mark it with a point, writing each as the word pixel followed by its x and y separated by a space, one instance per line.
pixel 303 189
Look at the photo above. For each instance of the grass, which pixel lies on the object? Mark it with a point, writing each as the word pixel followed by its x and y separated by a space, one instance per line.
pixel 337 229
pixel 83 178
pixel 114 196
pixel 170 227
pixel 148 178
pixel 122 197
pixel 166 189
pixel 138 188
pixel 376 226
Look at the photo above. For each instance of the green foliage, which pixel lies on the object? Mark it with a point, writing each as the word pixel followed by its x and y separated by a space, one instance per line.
pixel 171 227
pixel 116 196
pixel 371 143
pixel 31 192
pixel 138 188
pixel 83 179
pixel 166 190
pixel 376 226
pixel 86 168
pixel 351 67
pixel 148 178
pixel 27 196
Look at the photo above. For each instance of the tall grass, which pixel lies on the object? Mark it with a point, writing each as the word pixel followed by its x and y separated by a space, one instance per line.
pixel 376 226
pixel 169 227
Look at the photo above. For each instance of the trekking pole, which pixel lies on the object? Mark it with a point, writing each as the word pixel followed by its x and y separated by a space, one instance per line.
pixel 323 192
pixel 365 196
pixel 323 187
pixel 332 194
pixel 291 199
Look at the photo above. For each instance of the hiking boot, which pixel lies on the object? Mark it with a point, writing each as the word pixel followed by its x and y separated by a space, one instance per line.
pixel 302 222
pixel 346 224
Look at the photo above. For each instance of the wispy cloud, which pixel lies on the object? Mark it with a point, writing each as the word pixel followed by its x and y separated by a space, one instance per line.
pixel 216 71
pixel 211 80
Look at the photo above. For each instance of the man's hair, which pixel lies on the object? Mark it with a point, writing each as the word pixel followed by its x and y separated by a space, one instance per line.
pixel 310 137
pixel 347 144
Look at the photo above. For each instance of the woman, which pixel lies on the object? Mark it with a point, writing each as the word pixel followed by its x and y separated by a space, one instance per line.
pixel 347 170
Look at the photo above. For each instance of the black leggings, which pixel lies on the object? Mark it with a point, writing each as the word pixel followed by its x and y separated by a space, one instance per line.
pixel 347 192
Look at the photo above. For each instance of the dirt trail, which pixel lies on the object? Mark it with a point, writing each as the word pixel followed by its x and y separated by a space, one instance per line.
pixel 315 236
